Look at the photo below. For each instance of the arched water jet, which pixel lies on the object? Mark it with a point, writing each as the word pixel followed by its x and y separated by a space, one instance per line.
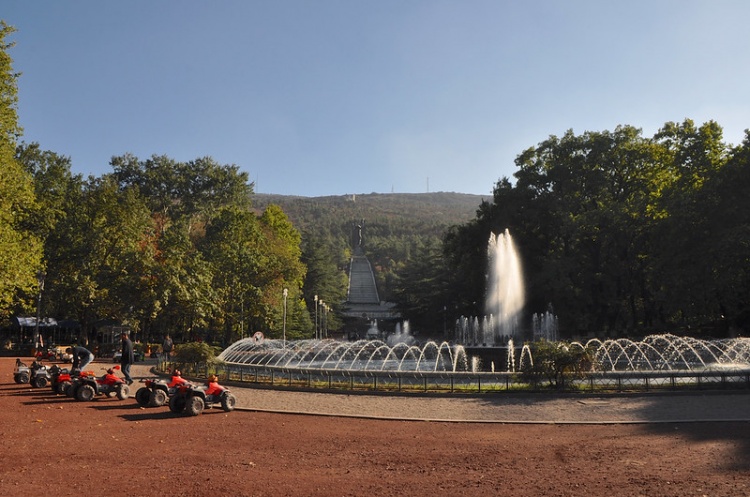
pixel 365 355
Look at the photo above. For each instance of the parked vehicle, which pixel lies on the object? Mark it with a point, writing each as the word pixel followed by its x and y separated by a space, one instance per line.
pixel 40 375
pixel 61 379
pixel 87 386
pixel 21 372
pixel 157 392
pixel 192 399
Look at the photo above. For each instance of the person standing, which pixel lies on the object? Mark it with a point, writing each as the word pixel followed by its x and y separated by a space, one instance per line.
pixel 128 357
pixel 167 347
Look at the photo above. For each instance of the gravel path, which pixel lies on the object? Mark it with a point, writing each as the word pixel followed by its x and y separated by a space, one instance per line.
pixel 665 407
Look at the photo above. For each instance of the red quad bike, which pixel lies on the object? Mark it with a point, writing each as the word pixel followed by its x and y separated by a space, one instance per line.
pixel 76 380
pixel 157 392
pixel 61 379
pixel 89 386
pixel 192 399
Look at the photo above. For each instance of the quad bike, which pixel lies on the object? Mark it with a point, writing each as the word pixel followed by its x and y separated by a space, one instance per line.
pixel 22 372
pixel 87 386
pixel 193 399
pixel 61 379
pixel 157 392
pixel 40 375
pixel 76 380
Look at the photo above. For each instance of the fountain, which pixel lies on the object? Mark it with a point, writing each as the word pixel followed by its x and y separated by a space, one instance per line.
pixel 401 335
pixel 484 342
pixel 362 355
pixel 505 290
pixel 544 326
pixel 667 352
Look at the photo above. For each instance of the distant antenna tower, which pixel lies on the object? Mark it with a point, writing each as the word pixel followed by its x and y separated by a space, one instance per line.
pixel 428 184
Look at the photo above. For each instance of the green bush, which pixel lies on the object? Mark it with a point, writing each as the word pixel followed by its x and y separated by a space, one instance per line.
pixel 195 352
pixel 556 361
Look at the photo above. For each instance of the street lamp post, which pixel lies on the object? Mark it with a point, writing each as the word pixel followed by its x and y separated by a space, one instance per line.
pixel 40 279
pixel 324 331
pixel 286 292
pixel 322 317
pixel 316 317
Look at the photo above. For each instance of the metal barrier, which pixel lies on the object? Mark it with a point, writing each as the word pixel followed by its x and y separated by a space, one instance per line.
pixel 470 382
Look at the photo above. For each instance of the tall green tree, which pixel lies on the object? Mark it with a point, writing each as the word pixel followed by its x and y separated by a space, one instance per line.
pixel 20 248
pixel 692 223
pixel 284 269
pixel 619 232
pixel 183 197
pixel 325 277
pixel 420 284
pixel 100 250
pixel 253 259
pixel 58 193
pixel 184 191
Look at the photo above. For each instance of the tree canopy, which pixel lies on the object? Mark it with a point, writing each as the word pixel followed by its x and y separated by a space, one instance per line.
pixel 621 233
pixel 20 247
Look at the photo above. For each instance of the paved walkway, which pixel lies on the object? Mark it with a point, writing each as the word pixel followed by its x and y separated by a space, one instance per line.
pixel 667 407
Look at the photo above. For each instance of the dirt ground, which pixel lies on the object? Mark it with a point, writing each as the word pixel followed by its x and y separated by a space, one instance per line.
pixel 52 445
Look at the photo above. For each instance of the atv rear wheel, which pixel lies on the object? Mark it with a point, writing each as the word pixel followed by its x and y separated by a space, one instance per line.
pixel 177 403
pixel 62 387
pixel 228 402
pixel 195 405
pixel 157 398
pixel 142 396
pixel 85 393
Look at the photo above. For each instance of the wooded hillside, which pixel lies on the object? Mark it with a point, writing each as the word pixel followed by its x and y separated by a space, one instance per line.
pixel 395 225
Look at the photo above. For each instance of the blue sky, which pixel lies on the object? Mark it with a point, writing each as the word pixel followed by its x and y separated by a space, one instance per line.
pixel 330 97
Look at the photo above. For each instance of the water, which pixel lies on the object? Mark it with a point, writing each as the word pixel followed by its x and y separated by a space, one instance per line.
pixel 498 328
pixel 544 326
pixel 667 352
pixel 505 289
pixel 362 355
pixel 504 299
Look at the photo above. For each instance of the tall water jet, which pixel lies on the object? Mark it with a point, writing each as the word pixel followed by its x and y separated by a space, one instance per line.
pixel 505 289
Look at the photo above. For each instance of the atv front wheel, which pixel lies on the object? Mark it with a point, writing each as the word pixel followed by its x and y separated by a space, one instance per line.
pixel 122 391
pixel 142 396
pixel 21 378
pixel 85 393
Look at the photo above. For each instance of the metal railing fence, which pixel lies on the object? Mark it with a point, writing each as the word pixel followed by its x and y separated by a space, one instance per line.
pixel 467 382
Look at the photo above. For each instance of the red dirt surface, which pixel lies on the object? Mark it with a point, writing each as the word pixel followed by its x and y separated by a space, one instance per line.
pixel 55 446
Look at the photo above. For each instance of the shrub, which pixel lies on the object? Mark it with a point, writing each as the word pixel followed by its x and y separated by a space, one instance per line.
pixel 194 353
pixel 556 361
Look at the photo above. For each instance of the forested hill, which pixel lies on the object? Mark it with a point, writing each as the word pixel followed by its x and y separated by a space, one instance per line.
pixel 428 213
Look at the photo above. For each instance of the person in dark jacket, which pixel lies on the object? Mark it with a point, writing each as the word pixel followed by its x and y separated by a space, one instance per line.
pixel 128 357
pixel 82 356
